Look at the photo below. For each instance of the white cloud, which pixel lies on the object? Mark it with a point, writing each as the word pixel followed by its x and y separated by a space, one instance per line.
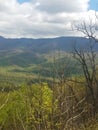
pixel 63 5
pixel 41 18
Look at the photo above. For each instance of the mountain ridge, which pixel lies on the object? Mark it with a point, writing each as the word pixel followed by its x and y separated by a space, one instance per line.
pixel 43 45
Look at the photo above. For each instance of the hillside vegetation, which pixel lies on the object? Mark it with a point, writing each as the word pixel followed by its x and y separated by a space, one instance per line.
pixel 42 88
pixel 23 58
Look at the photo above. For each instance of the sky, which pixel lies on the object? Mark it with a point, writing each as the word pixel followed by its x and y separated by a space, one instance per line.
pixel 22 1
pixel 44 18
pixel 93 4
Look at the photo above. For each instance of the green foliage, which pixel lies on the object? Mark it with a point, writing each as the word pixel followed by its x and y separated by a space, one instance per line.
pixel 25 106
pixel 39 107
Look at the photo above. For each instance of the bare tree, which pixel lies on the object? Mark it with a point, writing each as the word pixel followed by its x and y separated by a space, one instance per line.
pixel 87 59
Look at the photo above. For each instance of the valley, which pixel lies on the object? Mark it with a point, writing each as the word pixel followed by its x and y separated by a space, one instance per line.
pixel 23 58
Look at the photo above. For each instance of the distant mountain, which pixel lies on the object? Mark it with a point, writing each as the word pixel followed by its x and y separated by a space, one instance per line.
pixel 26 56
pixel 44 45
pixel 27 51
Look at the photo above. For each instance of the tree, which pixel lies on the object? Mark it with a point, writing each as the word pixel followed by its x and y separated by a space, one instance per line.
pixel 87 60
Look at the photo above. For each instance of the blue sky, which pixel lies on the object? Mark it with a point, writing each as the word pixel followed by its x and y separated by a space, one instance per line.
pixel 21 1
pixel 93 4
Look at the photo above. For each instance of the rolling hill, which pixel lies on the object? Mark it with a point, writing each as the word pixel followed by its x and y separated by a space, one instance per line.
pixel 24 52
pixel 35 56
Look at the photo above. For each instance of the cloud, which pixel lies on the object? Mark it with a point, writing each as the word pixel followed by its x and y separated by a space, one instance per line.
pixel 63 5
pixel 41 18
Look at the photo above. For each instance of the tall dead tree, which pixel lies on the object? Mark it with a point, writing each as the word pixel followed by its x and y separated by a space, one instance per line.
pixel 87 60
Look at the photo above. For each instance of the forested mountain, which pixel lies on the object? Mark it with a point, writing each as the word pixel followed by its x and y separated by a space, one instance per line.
pixel 26 52
pixel 43 45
